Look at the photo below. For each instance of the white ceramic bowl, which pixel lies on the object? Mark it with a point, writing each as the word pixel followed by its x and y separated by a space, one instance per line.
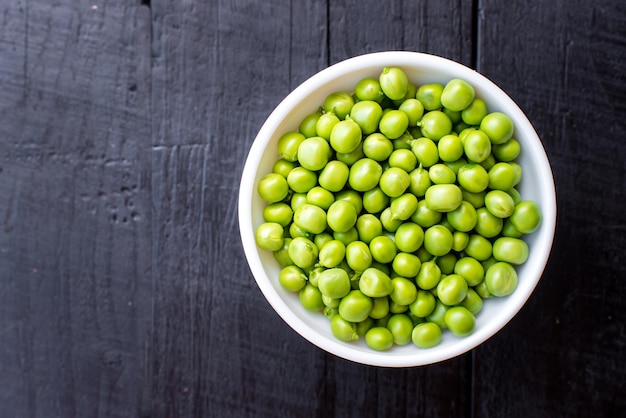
pixel 537 185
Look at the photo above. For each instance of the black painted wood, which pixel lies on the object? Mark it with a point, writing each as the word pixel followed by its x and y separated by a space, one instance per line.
pixel 124 126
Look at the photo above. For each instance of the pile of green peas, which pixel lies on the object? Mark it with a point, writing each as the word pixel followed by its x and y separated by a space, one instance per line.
pixel 394 210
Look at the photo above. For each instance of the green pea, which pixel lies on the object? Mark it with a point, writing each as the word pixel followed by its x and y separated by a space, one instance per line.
pixel 320 240
pixel 472 302
pixel 424 216
pixel 423 304
pixel 477 146
pixel 441 174
pixel 502 176
pixel 512 250
pixel 488 162
pixel 390 222
pixel 283 167
pixel 406 264
pixel 438 314
pixel 311 298
pixel 482 291
pixel 478 247
pixel 526 217
pixel 358 256
pixel 420 181
pixel 303 252
pixel 438 240
pixel 380 307
pixel 292 278
pixel 463 218
pixel 288 145
pixel 401 328
pixel 452 289
pixel 308 126
pixel 426 335
pixel 475 112
pixel 507 151
pixel 404 159
pixel 296 231
pixel 364 326
pixel 367 114
pixel 365 174
pixel 430 95
pixel 297 200
pixel 375 283
pixel 424 255
pixel 349 158
pixel 343 330
pixel 269 236
pixel 377 147
pixel 320 197
pixel 379 339
pixel 345 136
pixel 435 125
pixel 457 95
pixel 279 212
pixel 426 151
pixel 429 275
pixel 394 181
pixel 301 180
pixel 409 237
pixel 393 124
pixel 403 206
pixel 460 321
pixel 515 195
pixel 334 283
pixel 369 89
pixel 375 200
pixel 501 279
pixel 325 124
pixel 475 199
pixel 355 306
pixel 498 127
pixel 383 249
pixel 499 203
pixel 450 148
pixel 404 291
pixel 347 237
pixel 310 218
pixel 314 153
pixel 470 269
pixel 393 82
pixel 352 197
pixel 443 197
pixel 446 263
pixel 273 188
pixel 368 227
pixel 282 254
pixel 487 224
pixel 340 103
pixel 509 230
pixel 341 216
pixel 332 253
pixel 459 240
pixel 414 110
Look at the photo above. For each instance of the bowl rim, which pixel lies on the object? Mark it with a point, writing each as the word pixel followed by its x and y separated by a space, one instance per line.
pixel 268 129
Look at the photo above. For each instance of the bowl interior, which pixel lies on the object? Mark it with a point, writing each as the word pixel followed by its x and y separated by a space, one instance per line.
pixel 537 184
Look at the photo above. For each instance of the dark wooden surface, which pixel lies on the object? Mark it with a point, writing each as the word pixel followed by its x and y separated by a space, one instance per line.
pixel 124 126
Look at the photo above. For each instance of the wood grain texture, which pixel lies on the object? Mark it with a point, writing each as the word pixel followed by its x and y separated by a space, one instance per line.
pixel 124 127
pixel 560 61
pixel 75 205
